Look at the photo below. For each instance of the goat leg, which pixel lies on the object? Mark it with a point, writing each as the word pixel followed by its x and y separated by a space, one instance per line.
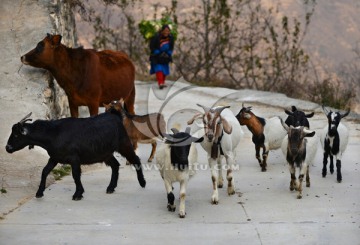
pixel 114 164
pixel 46 170
pixel 153 150
pixel 332 164
pixel 76 173
pixel 324 170
pixel 338 170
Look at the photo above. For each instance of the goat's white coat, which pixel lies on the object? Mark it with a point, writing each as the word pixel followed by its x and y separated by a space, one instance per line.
pixel 170 174
pixel 228 144
pixel 274 133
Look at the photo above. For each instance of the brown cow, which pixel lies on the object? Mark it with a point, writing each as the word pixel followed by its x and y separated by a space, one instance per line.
pixel 89 77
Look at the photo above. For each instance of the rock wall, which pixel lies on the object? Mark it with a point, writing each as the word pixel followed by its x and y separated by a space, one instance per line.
pixel 24 89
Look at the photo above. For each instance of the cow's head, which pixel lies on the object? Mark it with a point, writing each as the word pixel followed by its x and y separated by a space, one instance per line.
pixel 214 124
pixel 18 138
pixel 43 55
pixel 334 119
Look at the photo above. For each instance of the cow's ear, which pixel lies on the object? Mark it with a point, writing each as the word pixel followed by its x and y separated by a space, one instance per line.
pixel 56 40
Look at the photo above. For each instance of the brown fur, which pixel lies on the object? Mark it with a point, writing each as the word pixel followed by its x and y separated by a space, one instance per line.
pixel 143 129
pixel 88 77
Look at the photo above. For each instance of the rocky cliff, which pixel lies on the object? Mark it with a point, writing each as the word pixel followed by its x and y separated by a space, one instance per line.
pixel 26 89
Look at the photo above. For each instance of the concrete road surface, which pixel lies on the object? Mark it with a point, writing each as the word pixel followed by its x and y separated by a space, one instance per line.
pixel 263 210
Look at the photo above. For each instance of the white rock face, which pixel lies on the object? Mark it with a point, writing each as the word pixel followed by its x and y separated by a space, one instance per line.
pixel 25 89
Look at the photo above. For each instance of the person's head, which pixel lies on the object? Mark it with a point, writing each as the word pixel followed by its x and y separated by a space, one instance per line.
pixel 165 30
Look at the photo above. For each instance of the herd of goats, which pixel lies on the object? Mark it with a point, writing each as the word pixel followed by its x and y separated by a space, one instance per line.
pixel 78 141
pixel 94 78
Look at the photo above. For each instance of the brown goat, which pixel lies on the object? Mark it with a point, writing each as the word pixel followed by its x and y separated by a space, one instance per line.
pixel 144 129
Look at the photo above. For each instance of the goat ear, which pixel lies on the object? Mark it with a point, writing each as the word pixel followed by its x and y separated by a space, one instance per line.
pixel 309 133
pixel 175 130
pixel 288 112
pixel 107 106
pixel 191 121
pixel 309 115
pixel 199 140
pixel 346 113
pixel 226 125
pixel 56 40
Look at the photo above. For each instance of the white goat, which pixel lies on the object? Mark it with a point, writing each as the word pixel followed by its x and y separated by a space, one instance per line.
pixel 298 153
pixel 223 133
pixel 268 134
pixel 177 160
pixel 334 140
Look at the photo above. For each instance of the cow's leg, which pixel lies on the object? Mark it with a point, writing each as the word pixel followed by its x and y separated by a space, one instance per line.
pixel 76 173
pixel 324 170
pixel 129 102
pixel 45 172
pixel 74 110
pixel 338 170
pixel 332 164
pixel 170 195
pixel 183 185
pixel 114 164
pixel 292 176
pixel 93 109
pixel 220 175
pixel 153 150
pixel 214 179
pixel 126 149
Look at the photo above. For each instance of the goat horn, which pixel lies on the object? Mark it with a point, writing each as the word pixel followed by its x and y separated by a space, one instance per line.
pixel 187 130
pixel 193 118
pixel 325 110
pixel 174 130
pixel 25 118
pixel 206 109
pixel 346 113
pixel 220 109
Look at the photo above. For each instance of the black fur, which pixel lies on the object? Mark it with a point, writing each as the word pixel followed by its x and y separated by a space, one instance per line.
pixel 78 141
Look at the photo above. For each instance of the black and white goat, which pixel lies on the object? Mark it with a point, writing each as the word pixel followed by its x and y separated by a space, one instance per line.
pixel 268 134
pixel 177 160
pixel 334 140
pixel 298 118
pixel 298 154
pixel 222 134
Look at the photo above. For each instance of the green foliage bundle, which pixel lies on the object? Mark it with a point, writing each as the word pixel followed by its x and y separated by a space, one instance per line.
pixel 148 28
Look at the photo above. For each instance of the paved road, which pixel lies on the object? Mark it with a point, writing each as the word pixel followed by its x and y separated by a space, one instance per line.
pixel 263 210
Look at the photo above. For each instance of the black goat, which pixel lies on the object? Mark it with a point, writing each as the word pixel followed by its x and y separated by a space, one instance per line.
pixel 77 141
pixel 297 118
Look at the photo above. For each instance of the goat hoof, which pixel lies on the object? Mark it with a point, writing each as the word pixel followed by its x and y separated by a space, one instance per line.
pixel 77 198
pixel 109 191
pixel 231 192
pixel 171 208
pixel 182 216
pixel 142 183
pixel 263 169
pixel 299 196
pixel 291 188
pixel 307 184
pixel 214 202
pixel 339 180
pixel 149 160
pixel 220 185
pixel 39 195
